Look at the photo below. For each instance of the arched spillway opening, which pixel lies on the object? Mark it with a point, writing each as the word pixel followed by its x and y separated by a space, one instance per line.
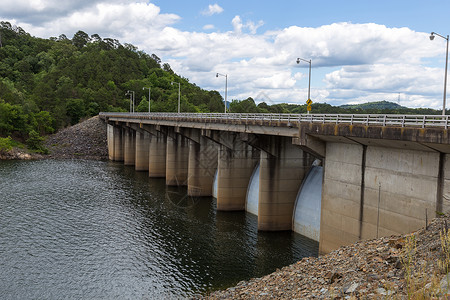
pixel 306 218
pixel 215 184
pixel 252 201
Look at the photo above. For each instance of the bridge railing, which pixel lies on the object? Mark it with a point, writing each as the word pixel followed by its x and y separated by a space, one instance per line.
pixel 364 119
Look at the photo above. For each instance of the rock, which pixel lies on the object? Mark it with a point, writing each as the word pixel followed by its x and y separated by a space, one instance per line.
pixel 445 284
pixel 381 291
pixel 332 276
pixel 352 288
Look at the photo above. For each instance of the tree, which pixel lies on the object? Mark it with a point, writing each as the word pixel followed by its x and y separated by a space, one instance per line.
pixel 75 110
pixel 80 39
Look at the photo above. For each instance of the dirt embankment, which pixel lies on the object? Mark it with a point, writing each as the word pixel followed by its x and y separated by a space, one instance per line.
pixel 85 140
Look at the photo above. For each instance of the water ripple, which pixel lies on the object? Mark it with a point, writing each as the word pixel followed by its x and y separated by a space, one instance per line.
pixel 99 230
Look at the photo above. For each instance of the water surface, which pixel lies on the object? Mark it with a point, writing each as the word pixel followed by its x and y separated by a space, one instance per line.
pixel 99 230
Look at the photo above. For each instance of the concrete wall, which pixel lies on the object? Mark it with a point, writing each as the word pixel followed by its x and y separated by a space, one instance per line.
pixel 402 185
pixel 446 184
pixel 371 191
pixel 341 196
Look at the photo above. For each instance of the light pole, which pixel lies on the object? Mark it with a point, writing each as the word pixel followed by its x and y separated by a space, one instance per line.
pixel 309 85
pixel 148 97
pixel 226 87
pixel 446 65
pixel 131 93
pixel 179 91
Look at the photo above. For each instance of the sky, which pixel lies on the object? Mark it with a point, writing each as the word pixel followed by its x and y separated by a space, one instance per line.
pixel 360 51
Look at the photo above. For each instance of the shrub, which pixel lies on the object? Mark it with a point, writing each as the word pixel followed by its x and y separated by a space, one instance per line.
pixel 35 142
pixel 5 144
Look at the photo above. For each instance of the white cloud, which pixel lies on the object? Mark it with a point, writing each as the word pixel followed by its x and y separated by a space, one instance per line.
pixel 238 25
pixel 124 22
pixel 208 27
pixel 212 10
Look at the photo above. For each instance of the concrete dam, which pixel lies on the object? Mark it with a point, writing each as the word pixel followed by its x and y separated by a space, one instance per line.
pixel 334 178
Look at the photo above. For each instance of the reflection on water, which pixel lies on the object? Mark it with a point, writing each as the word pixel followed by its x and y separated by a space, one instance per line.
pixel 86 229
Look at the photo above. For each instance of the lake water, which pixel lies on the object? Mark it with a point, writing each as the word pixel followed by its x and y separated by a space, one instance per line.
pixel 78 229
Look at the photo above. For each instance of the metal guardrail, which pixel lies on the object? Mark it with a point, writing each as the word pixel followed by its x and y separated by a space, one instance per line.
pixel 422 121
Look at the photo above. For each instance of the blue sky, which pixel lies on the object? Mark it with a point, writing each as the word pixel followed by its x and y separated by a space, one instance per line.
pixel 360 50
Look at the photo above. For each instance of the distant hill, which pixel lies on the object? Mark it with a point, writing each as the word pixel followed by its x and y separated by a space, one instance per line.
pixel 374 105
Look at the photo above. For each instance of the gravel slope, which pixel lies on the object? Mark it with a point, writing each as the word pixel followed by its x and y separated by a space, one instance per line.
pixel 85 140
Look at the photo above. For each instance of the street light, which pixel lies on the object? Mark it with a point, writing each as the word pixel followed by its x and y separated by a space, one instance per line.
pixel 179 91
pixel 309 85
pixel 226 86
pixel 148 97
pixel 446 64
pixel 131 93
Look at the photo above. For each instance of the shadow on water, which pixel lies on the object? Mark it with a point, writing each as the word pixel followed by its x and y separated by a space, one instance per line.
pixel 103 230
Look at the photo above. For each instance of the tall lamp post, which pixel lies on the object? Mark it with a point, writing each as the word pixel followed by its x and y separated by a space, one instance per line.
pixel 226 87
pixel 179 91
pixel 309 85
pixel 446 65
pixel 148 97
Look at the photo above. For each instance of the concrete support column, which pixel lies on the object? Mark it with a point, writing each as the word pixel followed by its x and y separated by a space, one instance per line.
pixel 282 170
pixel 129 147
pixel 235 168
pixel 157 155
pixel 110 139
pixel 177 159
pixel 142 151
pixel 118 144
pixel 341 195
pixel 201 167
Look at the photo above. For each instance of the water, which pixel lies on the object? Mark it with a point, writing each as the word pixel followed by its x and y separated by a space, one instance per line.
pixel 99 230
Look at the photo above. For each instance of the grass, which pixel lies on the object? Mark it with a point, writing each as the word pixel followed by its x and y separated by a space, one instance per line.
pixel 419 283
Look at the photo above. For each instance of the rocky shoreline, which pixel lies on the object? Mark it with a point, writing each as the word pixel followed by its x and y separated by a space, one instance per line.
pixel 411 266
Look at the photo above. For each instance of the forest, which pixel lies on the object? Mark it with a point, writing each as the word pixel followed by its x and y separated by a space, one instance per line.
pixel 48 84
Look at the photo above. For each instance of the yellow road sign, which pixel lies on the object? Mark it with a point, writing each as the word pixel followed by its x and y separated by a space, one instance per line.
pixel 308 108
pixel 309 102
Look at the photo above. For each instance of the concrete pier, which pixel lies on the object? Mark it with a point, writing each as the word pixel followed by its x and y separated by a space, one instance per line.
pixel 282 169
pixel 177 160
pixel 201 167
pixel 118 144
pixel 110 139
pixel 142 150
pixel 157 155
pixel 235 168
pixel 129 146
